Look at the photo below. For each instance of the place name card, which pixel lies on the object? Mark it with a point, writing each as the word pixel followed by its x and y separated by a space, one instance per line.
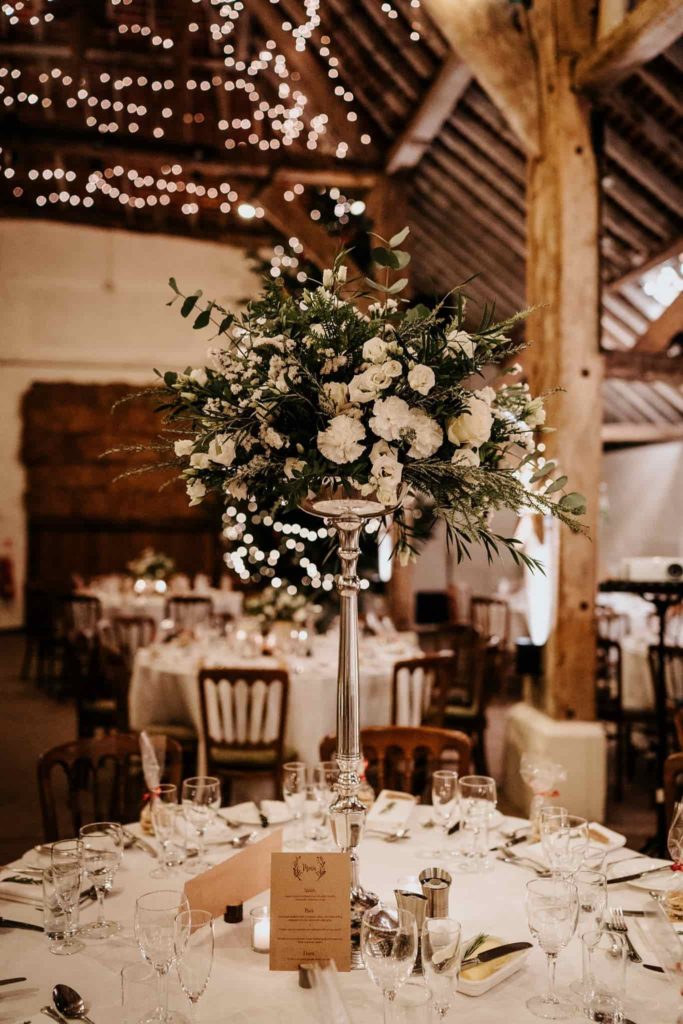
pixel 310 911
pixel 235 880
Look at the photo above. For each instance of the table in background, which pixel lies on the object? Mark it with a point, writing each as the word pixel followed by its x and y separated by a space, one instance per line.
pixel 225 602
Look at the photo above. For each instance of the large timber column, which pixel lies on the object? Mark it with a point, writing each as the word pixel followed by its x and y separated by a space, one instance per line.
pixel 563 279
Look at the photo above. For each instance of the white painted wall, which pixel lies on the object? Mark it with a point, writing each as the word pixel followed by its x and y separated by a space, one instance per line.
pixel 87 305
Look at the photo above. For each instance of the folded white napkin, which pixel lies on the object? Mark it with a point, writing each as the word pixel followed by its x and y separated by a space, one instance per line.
pixel 18 892
pixel 600 840
pixel 390 811
pixel 276 811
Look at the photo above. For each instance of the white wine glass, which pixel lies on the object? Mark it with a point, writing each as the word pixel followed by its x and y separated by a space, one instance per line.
pixel 194 945
pixel 294 788
pixel 478 798
pixel 552 906
pixel 67 875
pixel 441 958
pixel 155 916
pixel 102 852
pixel 165 813
pixel 388 940
pixel 201 797
pixel 565 839
pixel 444 800
pixel 325 778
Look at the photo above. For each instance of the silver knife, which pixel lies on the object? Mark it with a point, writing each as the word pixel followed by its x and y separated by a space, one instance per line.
pixel 494 954
pixel 638 874
pixel 10 981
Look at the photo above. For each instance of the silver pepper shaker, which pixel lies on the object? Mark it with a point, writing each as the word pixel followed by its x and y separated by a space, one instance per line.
pixel 436 886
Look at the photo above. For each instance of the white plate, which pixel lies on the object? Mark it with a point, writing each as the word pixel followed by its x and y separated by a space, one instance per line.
pixel 658 883
pixel 245 814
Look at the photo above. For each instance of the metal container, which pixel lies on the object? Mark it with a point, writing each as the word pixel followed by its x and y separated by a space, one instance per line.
pixel 436 886
pixel 416 903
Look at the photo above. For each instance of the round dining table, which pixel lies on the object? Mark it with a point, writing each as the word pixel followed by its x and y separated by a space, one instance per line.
pixel 242 989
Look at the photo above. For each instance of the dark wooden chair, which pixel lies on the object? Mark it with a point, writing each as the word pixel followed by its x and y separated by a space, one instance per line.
pixel 244 716
pixel 189 610
pixel 95 780
pixel 673 784
pixel 491 619
pixel 609 705
pixel 78 615
pixel 419 687
pixel 611 625
pixel 673 673
pixel 130 632
pixel 43 646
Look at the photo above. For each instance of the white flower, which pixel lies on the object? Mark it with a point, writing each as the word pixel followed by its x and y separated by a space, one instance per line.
pixel 199 460
pixel 386 472
pixel 341 274
pixel 365 386
pixel 195 491
pixel 293 467
pixel 317 330
pixel 337 394
pixel 222 450
pixel 421 379
pixel 199 377
pixel 340 441
pixel 328 278
pixel 427 435
pixel 406 556
pixel 472 426
pixel 460 341
pixel 333 364
pixel 487 395
pixel 270 437
pixel 392 368
pixel 183 447
pixel 535 413
pixel 466 458
pixel 375 350
pixel 390 418
pixel 236 490
pixel 515 370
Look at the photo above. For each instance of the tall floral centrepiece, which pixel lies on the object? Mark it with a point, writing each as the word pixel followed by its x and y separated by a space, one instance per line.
pixel 344 399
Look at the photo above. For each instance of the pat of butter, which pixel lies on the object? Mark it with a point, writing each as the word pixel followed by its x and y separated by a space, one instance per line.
pixel 483 971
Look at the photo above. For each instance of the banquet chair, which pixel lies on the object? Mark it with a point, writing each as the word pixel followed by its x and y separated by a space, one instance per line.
pixel 491 618
pixel 78 614
pixel 418 687
pixel 186 611
pixel 95 780
pixel 673 672
pixel 244 716
pixel 611 625
pixel 678 726
pixel 130 632
pixel 43 648
pixel 673 784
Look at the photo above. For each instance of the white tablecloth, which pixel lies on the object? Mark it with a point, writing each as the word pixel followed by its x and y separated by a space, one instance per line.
pixel 154 605
pixel 242 990
pixel 164 686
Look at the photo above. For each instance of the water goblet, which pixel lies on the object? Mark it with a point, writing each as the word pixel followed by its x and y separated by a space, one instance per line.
pixel 155 916
pixel 102 852
pixel 477 803
pixel 441 958
pixel 194 944
pixel 201 797
pixel 552 906
pixel 165 814
pixel 67 875
pixel 294 789
pixel 444 800
pixel 564 838
pixel 388 940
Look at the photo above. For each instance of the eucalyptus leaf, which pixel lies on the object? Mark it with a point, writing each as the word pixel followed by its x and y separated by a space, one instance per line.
pixel 189 304
pixel 170 378
pixel 400 237
pixel 203 320
pixel 556 485
pixel 173 285
pixel 546 468
pixel 403 258
pixel 397 286
pixel 385 258
pixel 226 323
pixel 573 502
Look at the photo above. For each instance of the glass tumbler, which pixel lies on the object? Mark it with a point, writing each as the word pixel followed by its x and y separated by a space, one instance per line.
pixel 54 919
pixel 605 955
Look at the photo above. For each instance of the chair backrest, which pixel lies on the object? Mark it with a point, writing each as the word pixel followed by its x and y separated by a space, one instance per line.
pixel 404 758
pixel 432 606
pixel 673 671
pixel 463 682
pixel 189 610
pixel 608 676
pixel 77 614
pixel 673 784
pixel 491 619
pixel 244 708
pixel 611 625
pixel 96 780
pixel 114 672
pixel 130 632
pixel 419 685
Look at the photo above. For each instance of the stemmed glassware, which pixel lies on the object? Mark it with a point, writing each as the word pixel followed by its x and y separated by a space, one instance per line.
pixel 194 943
pixel 165 813
pixel 542 777
pixel 155 932
pixel 388 941
pixel 325 778
pixel 441 958
pixel 102 852
pixel 201 797
pixel 552 906
pixel 591 887
pixel 564 838
pixel 294 788
pixel 478 799
pixel 67 874
pixel 444 800
pixel 673 899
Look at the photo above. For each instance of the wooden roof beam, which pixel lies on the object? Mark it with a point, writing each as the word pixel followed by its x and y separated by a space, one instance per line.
pixel 292 220
pixel 662 330
pixel 671 249
pixel 641 433
pixel 437 106
pixel 649 29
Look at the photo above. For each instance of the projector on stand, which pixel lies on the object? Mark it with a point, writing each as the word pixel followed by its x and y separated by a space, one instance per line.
pixel 652 569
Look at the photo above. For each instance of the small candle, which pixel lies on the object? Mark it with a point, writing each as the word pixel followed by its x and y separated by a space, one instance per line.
pixel 260 930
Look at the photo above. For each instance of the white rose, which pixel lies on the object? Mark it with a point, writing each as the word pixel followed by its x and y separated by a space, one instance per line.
pixel 427 435
pixel 293 467
pixel 466 458
pixel 199 460
pixel 195 491
pixel 487 395
pixel 236 490
pixel 328 278
pixel 535 413
pixel 375 350
pixel 421 379
pixel 361 388
pixel 199 376
pixel 392 368
pixel 460 341
pixel 183 447
pixel 337 394
pixel 317 330
pixel 472 426
pixel 222 450
pixel 390 418
pixel 340 441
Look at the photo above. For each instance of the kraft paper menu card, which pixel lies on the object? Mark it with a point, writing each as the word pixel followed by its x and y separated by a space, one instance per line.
pixel 235 880
pixel 310 910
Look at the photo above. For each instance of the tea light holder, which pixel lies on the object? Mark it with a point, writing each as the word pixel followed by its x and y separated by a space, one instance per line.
pixel 260 929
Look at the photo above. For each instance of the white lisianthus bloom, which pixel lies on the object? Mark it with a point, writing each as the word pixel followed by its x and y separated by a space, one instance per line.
pixel 515 370
pixel 196 491
pixel 375 350
pixel 337 394
pixel 341 274
pixel 199 376
pixel 386 472
pixel 427 435
pixel 200 460
pixel 391 417
pixel 392 368
pixel 183 447
pixel 317 330
pixel 293 467
pixel 222 450
pixel 466 458
pixel 460 341
pixel 421 379
pixel 472 426
pixel 340 442
pixel 535 413
pixel 487 395
pixel 328 277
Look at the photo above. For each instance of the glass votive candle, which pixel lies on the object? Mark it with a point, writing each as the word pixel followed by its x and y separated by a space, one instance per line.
pixel 260 929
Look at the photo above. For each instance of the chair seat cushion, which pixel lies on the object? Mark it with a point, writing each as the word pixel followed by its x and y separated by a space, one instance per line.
pixel 184 734
pixel 256 760
pixel 101 706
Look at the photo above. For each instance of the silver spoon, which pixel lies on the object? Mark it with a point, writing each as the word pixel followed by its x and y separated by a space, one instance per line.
pixel 70 1003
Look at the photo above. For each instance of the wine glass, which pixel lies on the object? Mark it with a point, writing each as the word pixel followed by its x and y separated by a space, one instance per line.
pixel 325 778
pixel 552 906
pixel 441 957
pixel 67 874
pixel 294 792
pixel 165 814
pixel 541 776
pixel 388 941
pixel 564 838
pixel 194 942
pixel 201 796
pixel 102 852
pixel 477 803
pixel 155 916
pixel 444 798
pixel 675 837
pixel 591 887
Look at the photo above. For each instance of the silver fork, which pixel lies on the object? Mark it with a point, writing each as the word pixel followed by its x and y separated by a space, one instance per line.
pixel 618 924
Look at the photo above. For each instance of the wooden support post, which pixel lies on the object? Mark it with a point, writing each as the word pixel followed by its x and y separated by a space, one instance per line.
pixel 563 279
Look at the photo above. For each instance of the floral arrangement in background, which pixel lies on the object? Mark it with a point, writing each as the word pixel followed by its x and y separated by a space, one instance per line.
pixel 281 605
pixel 151 565
pixel 344 384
